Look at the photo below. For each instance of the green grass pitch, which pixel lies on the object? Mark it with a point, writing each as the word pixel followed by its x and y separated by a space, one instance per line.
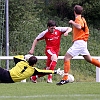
pixel 47 91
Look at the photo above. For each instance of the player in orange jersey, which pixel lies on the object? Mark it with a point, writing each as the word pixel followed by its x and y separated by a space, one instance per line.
pixel 80 37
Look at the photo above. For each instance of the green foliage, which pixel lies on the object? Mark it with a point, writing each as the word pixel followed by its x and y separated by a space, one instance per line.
pixel 64 8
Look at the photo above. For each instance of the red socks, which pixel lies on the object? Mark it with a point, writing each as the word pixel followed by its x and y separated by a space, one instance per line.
pixel 52 67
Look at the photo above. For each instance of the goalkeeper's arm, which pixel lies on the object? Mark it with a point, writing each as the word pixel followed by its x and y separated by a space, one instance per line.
pixel 46 72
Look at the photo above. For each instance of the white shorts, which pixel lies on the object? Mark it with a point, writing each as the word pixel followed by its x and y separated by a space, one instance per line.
pixel 78 47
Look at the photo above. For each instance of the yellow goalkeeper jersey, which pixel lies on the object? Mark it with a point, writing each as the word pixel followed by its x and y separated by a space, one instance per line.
pixel 22 70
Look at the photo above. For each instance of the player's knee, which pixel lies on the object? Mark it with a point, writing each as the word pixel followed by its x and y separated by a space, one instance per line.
pixel 88 58
pixel 54 57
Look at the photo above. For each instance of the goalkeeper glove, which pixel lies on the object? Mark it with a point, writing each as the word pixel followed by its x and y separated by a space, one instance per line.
pixel 58 71
pixel 26 57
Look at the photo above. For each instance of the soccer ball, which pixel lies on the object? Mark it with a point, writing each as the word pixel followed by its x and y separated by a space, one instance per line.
pixel 70 78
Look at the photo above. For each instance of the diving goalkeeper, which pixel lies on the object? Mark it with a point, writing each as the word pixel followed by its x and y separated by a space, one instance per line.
pixel 24 68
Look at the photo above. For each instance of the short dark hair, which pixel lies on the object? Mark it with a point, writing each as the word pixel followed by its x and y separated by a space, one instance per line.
pixel 51 23
pixel 78 9
pixel 32 60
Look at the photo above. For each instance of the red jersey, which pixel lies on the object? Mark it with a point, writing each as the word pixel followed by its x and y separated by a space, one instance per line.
pixel 52 39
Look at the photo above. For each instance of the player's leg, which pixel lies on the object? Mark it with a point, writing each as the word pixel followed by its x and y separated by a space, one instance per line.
pixel 49 79
pixel 40 73
pixel 74 50
pixel 52 66
pixel 5 76
pixel 34 78
pixel 48 61
pixel 88 57
pixel 66 66
pixel 66 69
pixel 51 63
pixel 91 60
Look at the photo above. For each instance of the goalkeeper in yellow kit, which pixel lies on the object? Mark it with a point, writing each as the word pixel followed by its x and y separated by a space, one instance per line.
pixel 24 68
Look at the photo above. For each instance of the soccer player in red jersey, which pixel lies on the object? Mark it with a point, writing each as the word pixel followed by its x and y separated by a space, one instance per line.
pixel 52 37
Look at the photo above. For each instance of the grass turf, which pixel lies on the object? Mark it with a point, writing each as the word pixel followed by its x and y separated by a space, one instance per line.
pixel 46 91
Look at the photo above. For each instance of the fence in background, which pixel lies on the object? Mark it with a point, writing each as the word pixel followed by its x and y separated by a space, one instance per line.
pixel 2 24
pixel 60 57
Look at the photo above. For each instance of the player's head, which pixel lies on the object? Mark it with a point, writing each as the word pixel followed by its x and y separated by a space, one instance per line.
pixel 78 9
pixel 32 60
pixel 51 25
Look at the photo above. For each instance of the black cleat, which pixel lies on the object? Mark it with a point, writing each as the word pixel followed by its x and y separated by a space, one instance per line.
pixel 63 82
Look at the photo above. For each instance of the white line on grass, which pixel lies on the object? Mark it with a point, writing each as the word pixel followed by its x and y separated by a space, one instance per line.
pixel 39 96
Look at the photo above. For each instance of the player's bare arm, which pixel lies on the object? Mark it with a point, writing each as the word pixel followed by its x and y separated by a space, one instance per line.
pixel 75 24
pixel 69 29
pixel 33 46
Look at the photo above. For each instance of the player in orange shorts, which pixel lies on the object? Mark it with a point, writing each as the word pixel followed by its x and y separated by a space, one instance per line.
pixel 80 37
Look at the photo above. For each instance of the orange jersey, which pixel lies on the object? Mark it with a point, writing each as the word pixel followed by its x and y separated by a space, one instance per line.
pixel 83 33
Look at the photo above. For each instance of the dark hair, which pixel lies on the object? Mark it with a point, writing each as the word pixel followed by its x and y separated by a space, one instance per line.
pixel 78 9
pixel 51 23
pixel 32 60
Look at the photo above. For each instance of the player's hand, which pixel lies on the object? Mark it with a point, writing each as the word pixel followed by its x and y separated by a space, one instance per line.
pixel 31 52
pixel 71 22
pixel 65 34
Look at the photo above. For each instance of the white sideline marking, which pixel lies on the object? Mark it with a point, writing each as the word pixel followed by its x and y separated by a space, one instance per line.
pixel 39 96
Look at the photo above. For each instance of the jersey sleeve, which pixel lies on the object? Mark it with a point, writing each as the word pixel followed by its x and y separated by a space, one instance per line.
pixel 18 58
pixel 42 72
pixel 62 29
pixel 41 35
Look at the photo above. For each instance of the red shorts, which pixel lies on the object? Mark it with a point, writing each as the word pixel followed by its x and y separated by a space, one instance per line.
pixel 49 52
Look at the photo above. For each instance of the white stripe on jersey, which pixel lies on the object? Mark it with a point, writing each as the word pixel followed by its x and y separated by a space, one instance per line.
pixel 42 34
pixel 62 29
